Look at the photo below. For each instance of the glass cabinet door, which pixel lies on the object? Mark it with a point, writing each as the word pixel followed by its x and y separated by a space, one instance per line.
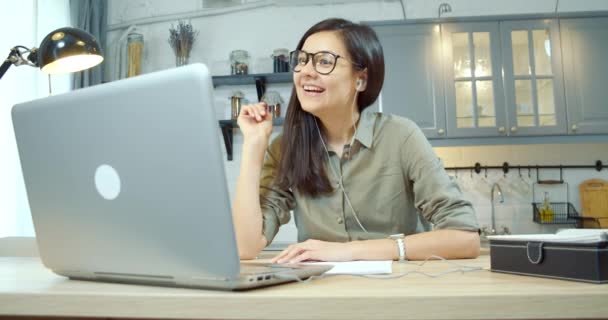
pixel 533 81
pixel 474 96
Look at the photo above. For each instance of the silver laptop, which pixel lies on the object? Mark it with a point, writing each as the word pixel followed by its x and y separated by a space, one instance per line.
pixel 126 183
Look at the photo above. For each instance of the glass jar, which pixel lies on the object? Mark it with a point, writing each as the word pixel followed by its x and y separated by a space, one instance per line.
pixel 280 59
pixel 135 49
pixel 274 101
pixel 235 104
pixel 239 62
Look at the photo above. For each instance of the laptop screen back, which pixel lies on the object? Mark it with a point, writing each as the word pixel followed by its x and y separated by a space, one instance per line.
pixel 128 178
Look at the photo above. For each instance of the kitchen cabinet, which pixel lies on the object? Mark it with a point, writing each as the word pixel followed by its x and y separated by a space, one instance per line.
pixel 413 83
pixel 504 78
pixel 484 78
pixel 585 48
pixel 475 103
pixel 533 78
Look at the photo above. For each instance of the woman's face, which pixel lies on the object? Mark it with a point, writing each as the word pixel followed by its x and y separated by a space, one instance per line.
pixel 326 94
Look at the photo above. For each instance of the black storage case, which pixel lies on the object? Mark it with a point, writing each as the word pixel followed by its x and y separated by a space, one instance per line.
pixel 587 262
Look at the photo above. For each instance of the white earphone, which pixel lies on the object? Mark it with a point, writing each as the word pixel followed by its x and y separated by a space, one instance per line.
pixel 359 84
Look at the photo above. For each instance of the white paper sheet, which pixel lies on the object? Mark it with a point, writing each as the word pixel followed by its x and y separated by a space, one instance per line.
pixel 359 267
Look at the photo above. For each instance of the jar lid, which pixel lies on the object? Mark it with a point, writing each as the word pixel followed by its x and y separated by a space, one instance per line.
pixel 239 53
pixel 280 52
pixel 272 98
pixel 237 94
pixel 134 36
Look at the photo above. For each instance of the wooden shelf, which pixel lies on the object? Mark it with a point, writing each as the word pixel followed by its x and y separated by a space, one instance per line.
pixel 231 80
pixel 228 125
pixel 260 80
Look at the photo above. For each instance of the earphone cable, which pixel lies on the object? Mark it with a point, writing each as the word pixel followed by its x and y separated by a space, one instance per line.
pixel 340 176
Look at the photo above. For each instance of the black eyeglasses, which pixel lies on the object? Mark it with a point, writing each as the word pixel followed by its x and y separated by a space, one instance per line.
pixel 324 62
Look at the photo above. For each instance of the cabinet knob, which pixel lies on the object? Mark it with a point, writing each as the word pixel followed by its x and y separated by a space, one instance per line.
pixel 440 132
pixel 501 130
pixel 513 129
pixel 574 127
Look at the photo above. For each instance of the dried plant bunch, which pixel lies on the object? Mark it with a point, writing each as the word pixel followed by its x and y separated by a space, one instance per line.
pixel 182 37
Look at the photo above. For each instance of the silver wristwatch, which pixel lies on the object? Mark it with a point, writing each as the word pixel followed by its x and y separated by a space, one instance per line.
pixel 400 239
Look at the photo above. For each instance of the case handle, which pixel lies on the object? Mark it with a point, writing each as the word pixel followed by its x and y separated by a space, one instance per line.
pixel 534 250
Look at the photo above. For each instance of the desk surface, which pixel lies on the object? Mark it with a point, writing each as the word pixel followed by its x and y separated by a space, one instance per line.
pixel 27 288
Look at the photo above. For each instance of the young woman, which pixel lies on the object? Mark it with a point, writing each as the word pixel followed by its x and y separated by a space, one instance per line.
pixel 362 185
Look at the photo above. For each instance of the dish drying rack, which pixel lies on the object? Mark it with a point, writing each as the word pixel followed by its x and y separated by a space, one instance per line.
pixel 556 212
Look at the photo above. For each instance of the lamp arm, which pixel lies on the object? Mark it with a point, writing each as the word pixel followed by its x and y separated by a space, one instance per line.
pixel 16 57
pixel 12 58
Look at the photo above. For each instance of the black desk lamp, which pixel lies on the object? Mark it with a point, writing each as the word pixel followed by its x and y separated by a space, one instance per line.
pixel 61 51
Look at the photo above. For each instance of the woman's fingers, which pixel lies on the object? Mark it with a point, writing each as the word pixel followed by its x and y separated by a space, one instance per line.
pixel 306 255
pixel 278 257
pixel 293 253
pixel 257 111
pixel 286 254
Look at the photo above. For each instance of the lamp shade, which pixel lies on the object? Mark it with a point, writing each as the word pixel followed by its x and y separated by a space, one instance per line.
pixel 68 50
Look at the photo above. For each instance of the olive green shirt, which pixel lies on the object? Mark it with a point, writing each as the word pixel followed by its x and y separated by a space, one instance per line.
pixel 394 180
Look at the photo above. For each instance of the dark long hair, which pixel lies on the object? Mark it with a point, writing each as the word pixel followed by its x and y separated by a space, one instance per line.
pixel 301 165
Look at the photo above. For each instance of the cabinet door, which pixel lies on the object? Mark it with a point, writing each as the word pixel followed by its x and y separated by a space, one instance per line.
pixel 533 78
pixel 585 45
pixel 473 80
pixel 413 86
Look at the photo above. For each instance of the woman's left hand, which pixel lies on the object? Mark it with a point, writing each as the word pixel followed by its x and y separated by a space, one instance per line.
pixel 315 250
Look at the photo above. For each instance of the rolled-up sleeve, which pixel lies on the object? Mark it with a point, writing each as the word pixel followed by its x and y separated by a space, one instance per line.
pixel 276 203
pixel 436 196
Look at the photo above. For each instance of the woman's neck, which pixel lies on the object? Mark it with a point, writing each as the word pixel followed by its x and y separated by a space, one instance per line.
pixel 339 129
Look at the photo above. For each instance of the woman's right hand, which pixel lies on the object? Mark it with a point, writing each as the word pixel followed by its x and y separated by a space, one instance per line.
pixel 255 122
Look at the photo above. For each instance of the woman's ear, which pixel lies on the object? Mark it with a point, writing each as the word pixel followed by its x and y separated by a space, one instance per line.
pixel 362 82
pixel 359 85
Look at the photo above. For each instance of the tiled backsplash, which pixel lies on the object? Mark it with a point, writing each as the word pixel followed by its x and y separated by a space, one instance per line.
pixel 516 212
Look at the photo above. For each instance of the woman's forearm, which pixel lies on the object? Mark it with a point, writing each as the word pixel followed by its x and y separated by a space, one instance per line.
pixel 246 211
pixel 449 244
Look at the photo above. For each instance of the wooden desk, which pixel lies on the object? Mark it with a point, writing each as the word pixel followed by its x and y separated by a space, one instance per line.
pixel 27 288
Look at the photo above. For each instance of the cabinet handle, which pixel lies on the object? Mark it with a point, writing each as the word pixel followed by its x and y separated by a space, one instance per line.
pixel 501 130
pixel 513 129
pixel 440 132
pixel 574 127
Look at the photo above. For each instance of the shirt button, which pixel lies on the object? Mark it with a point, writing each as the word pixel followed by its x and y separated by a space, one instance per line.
pixel 340 220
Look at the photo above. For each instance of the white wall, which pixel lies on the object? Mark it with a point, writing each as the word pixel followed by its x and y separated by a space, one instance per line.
pixel 24 24
pixel 15 86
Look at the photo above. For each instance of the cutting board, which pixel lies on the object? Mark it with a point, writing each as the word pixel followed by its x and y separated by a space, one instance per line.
pixel 594 203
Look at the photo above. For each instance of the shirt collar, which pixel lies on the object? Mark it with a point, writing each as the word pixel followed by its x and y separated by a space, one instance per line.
pixel 365 128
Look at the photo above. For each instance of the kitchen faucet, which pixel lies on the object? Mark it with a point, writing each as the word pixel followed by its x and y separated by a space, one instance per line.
pixel 495 186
